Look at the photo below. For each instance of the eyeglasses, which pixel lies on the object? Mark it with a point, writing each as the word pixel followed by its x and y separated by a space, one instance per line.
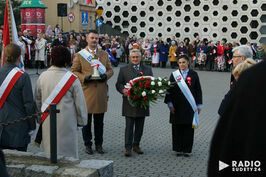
pixel 236 56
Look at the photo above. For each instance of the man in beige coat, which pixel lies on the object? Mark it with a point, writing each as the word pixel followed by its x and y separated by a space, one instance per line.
pixel 95 91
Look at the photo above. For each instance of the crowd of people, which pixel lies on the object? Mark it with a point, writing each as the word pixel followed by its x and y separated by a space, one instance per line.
pixel 203 53
pixel 82 97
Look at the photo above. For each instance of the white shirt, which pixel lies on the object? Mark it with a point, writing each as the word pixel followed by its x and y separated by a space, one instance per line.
pixel 95 50
pixel 184 73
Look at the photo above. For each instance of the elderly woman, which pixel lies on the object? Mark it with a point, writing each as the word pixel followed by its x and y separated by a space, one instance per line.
pixel 73 111
pixel 184 100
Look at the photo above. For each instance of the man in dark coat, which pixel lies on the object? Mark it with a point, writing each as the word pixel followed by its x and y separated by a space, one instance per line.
pixel 18 104
pixel 59 41
pixel 134 115
pixel 240 133
pixel 241 53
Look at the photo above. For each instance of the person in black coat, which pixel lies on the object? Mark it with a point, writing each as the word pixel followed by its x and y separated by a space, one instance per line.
pixel 17 105
pixel 3 171
pixel 211 55
pixel 240 133
pixel 181 112
pixel 59 41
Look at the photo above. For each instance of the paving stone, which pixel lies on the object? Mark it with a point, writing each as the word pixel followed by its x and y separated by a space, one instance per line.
pixel 158 159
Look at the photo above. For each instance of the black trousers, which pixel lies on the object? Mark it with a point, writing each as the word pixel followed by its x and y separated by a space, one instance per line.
pixel 163 64
pixel 98 130
pixel 134 127
pixel 183 136
pixel 23 149
pixel 173 64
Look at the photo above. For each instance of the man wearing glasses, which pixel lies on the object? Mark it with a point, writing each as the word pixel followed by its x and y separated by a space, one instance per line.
pixel 241 53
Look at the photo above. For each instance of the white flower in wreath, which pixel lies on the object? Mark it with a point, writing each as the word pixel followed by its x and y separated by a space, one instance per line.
pixel 143 93
pixel 169 83
pixel 160 79
pixel 159 84
pixel 152 83
pixel 153 91
pixel 152 78
pixel 160 91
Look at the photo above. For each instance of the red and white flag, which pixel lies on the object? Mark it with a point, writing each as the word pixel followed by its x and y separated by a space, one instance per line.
pixel 7 34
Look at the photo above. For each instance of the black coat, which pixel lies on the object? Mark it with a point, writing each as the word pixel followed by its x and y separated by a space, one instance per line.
pixel 126 74
pixel 56 42
pixel 183 111
pixel 18 104
pixel 226 99
pixel 3 171
pixel 240 133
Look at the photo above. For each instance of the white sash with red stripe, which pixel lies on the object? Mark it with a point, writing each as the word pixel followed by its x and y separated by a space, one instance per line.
pixel 58 92
pixel 8 84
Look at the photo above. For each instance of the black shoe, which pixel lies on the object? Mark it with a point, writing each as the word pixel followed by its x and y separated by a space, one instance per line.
pixel 89 150
pixel 99 149
pixel 186 155
pixel 179 154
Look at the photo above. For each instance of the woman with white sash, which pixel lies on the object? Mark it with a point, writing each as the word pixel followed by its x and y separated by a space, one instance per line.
pixel 55 84
pixel 184 100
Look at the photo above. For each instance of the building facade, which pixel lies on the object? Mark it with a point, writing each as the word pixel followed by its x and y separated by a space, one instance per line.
pixel 236 20
pixel 83 11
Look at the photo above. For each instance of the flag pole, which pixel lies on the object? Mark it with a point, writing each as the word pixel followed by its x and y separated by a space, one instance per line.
pixel 6 31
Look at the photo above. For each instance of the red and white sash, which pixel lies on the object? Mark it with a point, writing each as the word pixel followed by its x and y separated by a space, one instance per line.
pixel 59 91
pixel 8 84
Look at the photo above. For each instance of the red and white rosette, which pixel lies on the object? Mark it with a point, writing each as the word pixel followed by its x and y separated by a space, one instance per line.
pixel 189 81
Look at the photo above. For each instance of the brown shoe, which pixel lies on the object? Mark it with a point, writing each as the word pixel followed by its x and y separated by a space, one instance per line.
pixel 89 150
pixel 99 149
pixel 128 153
pixel 137 150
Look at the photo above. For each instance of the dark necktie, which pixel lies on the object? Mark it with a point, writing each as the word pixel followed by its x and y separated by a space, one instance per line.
pixel 136 68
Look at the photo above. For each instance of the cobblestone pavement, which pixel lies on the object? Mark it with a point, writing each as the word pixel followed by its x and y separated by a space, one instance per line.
pixel 158 158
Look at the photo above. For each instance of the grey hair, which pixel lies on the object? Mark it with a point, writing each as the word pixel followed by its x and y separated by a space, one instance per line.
pixel 135 51
pixel 244 50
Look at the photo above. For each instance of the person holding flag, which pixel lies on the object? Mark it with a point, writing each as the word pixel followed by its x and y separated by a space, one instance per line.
pixel 184 100
pixel 16 102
